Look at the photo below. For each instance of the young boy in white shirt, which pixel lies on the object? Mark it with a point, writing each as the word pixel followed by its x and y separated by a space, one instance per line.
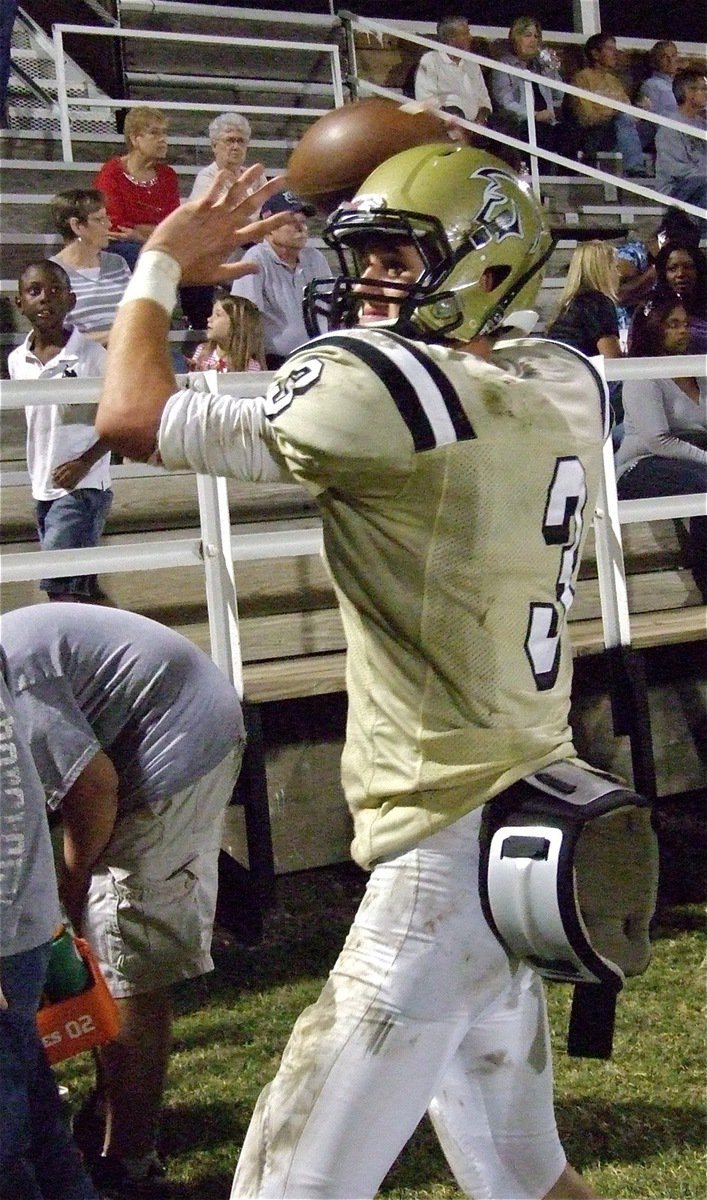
pixel 69 465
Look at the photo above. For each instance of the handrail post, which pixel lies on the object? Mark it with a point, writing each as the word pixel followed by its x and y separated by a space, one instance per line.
pixel 336 78
pixel 351 63
pixel 64 123
pixel 532 136
pixel 221 599
pixel 611 570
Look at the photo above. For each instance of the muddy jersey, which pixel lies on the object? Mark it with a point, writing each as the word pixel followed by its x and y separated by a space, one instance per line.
pixel 455 496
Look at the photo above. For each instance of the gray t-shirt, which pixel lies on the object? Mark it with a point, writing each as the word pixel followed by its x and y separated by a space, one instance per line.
pixel 29 903
pixel 86 678
pixel 278 291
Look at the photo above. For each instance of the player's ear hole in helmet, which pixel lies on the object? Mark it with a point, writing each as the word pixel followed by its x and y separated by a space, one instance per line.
pixel 480 232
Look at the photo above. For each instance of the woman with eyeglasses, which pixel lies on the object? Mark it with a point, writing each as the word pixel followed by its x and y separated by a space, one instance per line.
pixel 98 278
pixel 141 188
pixel 229 135
pixel 664 449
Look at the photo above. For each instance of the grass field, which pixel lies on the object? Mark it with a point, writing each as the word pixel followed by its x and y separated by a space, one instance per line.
pixel 635 1125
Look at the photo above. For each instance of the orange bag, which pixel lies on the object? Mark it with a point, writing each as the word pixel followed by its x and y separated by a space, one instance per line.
pixel 80 1022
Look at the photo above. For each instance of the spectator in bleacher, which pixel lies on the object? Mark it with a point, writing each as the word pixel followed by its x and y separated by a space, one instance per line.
pixel 586 316
pixel 601 127
pixel 235 341
pixel 140 188
pixel 229 134
pixel 97 278
pixel 527 52
pixel 656 92
pixel 681 158
pixel 636 261
pixel 285 265
pixel 681 274
pixel 664 449
pixel 69 466
pixel 678 226
pixel 636 282
pixel 453 83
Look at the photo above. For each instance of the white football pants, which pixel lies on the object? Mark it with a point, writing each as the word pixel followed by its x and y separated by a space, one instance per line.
pixel 422 1011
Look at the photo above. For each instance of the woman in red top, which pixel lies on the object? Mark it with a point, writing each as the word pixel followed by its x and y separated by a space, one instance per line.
pixel 140 188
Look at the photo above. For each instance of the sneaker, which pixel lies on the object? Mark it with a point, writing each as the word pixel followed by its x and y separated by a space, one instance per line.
pixel 116 1179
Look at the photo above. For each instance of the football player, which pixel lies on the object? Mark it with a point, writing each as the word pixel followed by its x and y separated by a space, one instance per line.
pixel 456 468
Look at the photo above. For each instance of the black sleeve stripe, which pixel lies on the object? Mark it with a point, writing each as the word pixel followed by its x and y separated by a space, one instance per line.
pixel 460 421
pixel 399 387
pixel 425 399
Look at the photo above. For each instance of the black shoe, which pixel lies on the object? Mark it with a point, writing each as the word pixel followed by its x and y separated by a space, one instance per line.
pixel 89 1127
pixel 115 1181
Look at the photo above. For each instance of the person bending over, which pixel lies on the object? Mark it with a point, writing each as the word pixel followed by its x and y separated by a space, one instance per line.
pixel 137 739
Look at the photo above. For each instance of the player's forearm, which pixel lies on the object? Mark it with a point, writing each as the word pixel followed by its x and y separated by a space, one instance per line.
pixel 139 379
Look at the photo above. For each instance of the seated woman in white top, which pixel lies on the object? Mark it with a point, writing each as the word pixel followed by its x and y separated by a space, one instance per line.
pixel 664 449
pixel 526 52
pixel 229 134
pixel 98 279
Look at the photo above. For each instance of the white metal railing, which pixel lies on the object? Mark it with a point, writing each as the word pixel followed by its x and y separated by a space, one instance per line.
pixel 65 102
pixel 220 543
pixel 531 147
pixel 350 21
pixel 585 19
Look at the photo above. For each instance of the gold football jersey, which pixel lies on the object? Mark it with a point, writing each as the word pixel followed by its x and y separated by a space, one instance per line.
pixel 455 495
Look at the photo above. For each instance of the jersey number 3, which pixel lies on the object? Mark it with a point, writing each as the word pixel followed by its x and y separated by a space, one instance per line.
pixel 562 526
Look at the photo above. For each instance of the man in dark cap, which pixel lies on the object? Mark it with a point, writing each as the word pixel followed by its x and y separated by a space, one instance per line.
pixel 286 264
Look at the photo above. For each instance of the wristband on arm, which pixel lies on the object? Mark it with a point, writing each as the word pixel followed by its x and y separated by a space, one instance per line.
pixel 156 277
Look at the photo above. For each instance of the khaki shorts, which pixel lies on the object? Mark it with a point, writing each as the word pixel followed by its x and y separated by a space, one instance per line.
pixel 150 908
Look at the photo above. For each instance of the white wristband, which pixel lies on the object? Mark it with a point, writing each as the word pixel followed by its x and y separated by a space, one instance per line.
pixel 156 277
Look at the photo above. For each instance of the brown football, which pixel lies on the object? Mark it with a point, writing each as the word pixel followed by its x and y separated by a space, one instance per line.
pixel 335 155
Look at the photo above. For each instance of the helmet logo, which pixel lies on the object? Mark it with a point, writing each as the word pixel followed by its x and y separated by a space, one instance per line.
pixel 499 210
pixel 367 204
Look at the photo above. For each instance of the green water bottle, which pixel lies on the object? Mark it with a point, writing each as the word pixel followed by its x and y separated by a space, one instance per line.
pixel 67 973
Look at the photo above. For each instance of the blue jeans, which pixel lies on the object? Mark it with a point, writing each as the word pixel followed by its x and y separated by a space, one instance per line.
pixel 693 189
pixel 620 133
pixel 628 142
pixel 658 476
pixel 127 250
pixel 68 523
pixel 38 1157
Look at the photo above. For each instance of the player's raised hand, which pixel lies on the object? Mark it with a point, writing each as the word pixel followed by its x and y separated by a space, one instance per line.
pixel 201 234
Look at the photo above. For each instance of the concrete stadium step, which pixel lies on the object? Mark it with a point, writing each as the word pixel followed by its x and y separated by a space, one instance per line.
pixel 186 58
pixel 241 75
pixel 188 150
pixel 231 22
